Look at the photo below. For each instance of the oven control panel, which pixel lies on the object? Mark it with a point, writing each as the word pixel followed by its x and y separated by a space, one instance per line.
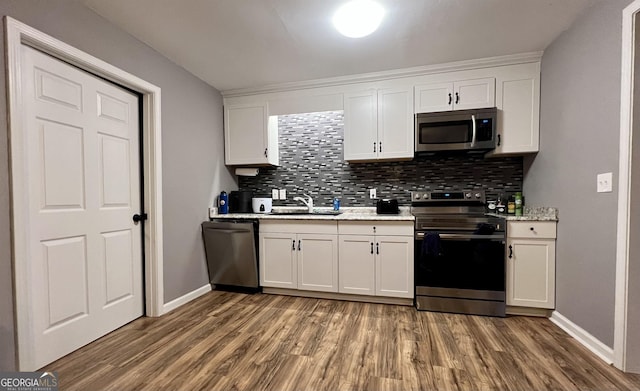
pixel 452 196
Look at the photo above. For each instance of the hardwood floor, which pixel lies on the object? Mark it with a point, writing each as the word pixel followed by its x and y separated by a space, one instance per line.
pixel 231 341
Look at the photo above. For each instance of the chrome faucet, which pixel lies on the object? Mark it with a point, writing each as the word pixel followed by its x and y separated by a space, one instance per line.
pixel 308 202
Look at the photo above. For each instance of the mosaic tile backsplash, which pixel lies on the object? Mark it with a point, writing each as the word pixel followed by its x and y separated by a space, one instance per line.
pixel 311 162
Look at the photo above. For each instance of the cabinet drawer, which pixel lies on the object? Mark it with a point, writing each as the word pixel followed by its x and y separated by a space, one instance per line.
pixel 531 229
pixel 289 226
pixel 388 228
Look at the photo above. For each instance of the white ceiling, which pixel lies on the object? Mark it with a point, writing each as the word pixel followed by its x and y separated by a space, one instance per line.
pixel 233 44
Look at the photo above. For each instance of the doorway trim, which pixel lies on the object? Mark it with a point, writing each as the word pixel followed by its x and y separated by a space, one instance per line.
pixel 16 35
pixel 624 186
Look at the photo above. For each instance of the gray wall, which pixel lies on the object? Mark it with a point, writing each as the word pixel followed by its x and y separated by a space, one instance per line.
pixel 579 138
pixel 193 157
pixel 311 161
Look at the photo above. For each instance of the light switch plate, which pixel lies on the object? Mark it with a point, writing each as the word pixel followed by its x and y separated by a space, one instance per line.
pixel 283 194
pixel 605 182
pixel 274 194
pixel 372 193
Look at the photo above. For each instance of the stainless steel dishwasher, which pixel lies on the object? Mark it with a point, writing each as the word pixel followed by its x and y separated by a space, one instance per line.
pixel 231 247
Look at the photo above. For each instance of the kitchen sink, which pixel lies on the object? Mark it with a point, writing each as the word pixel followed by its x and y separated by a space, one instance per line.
pixel 305 212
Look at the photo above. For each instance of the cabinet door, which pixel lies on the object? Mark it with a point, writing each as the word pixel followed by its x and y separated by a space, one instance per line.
pixel 246 134
pixel 531 273
pixel 278 266
pixel 357 265
pixel 433 97
pixel 518 103
pixel 474 94
pixel 318 262
pixel 394 266
pixel 395 124
pixel 361 126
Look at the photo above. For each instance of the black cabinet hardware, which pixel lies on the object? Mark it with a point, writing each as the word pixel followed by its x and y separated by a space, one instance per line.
pixel 510 251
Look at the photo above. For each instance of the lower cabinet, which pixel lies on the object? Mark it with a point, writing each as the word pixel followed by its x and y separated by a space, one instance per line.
pixel 531 264
pixel 376 258
pixel 299 256
pixel 362 258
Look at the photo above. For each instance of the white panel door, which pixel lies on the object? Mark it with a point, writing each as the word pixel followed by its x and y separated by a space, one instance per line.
pixel 85 254
pixel 361 125
pixel 394 266
pixel 395 123
pixel 357 265
pixel 318 262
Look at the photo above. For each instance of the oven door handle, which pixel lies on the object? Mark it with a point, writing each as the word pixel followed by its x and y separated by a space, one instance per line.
pixel 420 235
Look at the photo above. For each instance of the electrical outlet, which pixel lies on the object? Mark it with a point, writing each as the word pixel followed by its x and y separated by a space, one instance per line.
pixel 283 194
pixel 605 182
pixel 372 193
pixel 274 194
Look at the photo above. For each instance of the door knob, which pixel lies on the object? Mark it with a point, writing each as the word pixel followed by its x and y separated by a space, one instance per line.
pixel 139 217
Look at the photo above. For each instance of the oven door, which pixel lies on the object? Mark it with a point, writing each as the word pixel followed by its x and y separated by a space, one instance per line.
pixel 460 261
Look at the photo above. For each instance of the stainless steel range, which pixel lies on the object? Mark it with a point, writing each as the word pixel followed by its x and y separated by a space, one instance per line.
pixel 459 254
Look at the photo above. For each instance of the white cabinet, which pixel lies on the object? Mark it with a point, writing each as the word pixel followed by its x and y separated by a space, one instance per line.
pixel 376 258
pixel 299 255
pixel 250 135
pixel 531 264
pixel 394 266
pixel 457 95
pixel 518 103
pixel 357 265
pixel 378 124
pixel 278 260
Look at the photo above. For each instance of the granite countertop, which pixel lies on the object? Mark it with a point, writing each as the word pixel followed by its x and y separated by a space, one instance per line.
pixel 348 214
pixel 532 213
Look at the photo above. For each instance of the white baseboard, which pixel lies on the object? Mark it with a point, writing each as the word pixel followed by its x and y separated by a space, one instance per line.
pixel 585 338
pixel 175 303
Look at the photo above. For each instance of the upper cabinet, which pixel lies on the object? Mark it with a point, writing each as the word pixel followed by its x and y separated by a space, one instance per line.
pixel 378 124
pixel 457 95
pixel 250 135
pixel 518 103
pixel 379 110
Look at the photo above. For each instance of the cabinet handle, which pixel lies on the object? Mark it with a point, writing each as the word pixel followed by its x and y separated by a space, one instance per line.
pixel 510 251
pixel 449 99
pixel 377 248
pixel 265 153
pixel 293 245
pixel 532 229
pixel 374 146
pixel 371 247
pixel 498 140
pixel 380 148
pixel 299 245
pixel 457 98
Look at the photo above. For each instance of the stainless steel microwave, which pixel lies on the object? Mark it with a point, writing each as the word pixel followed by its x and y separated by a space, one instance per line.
pixel 462 130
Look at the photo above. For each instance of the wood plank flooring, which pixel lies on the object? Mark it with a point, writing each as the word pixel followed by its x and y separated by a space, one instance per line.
pixel 232 341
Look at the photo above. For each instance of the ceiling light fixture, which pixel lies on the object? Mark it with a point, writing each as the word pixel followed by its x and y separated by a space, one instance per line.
pixel 358 18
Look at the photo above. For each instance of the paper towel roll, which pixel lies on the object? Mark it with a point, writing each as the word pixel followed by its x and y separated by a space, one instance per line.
pixel 247 171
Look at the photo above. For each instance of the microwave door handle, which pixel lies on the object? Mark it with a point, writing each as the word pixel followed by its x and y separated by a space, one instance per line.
pixel 474 130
